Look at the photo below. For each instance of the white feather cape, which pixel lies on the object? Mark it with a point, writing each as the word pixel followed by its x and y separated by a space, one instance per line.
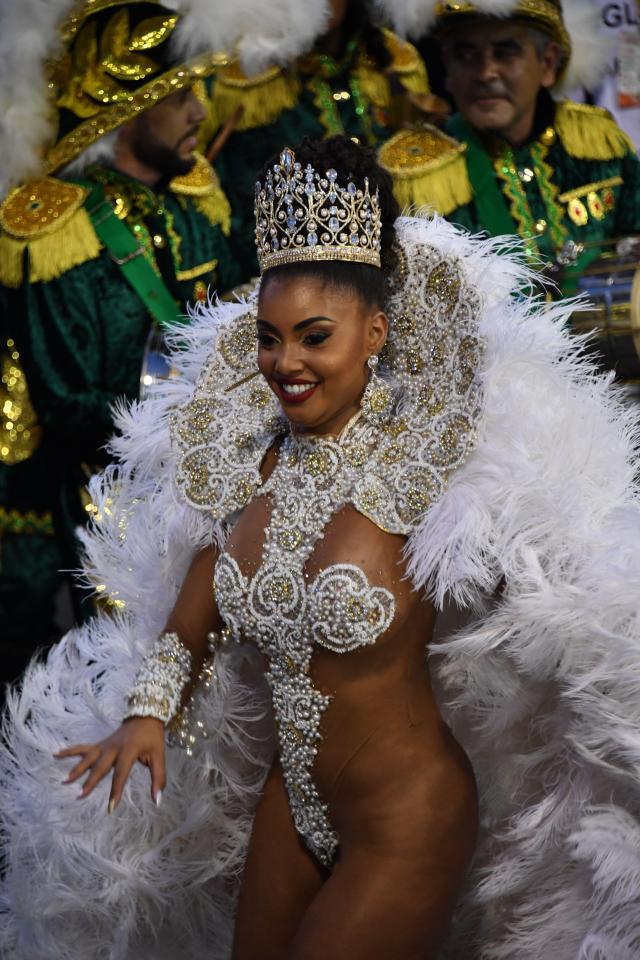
pixel 538 536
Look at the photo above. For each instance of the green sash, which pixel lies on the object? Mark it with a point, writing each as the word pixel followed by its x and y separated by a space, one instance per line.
pixel 127 253
pixel 489 200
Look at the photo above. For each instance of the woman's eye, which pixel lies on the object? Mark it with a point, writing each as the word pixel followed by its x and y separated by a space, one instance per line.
pixel 315 339
pixel 266 340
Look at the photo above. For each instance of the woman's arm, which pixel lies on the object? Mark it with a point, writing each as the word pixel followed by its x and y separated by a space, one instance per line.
pixel 141 738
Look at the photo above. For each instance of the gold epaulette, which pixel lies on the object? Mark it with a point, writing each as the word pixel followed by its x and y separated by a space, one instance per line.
pixel 262 97
pixel 203 186
pixel 428 168
pixel 590 133
pixel 47 217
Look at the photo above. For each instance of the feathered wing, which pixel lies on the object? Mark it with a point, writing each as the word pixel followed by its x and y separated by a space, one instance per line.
pixel 144 882
pixel 539 532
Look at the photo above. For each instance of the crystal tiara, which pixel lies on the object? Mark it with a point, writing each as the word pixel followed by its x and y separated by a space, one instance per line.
pixel 303 215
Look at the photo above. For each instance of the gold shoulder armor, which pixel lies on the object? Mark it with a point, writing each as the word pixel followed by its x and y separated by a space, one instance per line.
pixel 428 168
pixel 40 207
pixel 262 97
pixel 407 63
pixel 47 217
pixel 590 133
pixel 203 186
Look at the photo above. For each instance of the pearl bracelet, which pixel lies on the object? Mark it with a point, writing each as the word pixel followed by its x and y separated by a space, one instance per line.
pixel 160 680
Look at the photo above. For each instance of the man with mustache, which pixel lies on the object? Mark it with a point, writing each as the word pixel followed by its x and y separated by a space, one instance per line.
pixel 560 174
pixel 124 225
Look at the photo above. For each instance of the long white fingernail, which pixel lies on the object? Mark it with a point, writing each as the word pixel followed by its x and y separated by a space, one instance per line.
pixel 158 798
pixel 112 805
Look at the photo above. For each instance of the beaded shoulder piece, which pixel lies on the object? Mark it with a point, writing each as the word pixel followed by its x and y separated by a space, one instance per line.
pixel 423 424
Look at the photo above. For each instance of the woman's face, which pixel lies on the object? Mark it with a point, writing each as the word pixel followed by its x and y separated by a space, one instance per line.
pixel 313 344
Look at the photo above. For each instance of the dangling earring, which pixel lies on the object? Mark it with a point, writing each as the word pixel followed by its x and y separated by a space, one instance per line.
pixel 377 398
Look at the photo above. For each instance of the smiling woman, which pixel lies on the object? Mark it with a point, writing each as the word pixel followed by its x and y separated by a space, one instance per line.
pixel 321 321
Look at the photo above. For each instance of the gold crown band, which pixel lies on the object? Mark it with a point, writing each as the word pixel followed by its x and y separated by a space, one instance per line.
pixel 308 254
pixel 304 216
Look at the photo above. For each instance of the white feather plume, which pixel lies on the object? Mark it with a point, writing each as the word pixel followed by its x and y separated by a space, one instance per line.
pixel 592 47
pixel 261 33
pixel 28 37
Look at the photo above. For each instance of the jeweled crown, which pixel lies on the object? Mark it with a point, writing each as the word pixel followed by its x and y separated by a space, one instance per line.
pixel 305 215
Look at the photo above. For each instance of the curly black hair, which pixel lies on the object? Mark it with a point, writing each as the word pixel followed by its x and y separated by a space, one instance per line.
pixel 352 161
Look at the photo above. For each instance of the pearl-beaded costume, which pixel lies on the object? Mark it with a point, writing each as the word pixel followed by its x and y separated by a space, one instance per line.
pixel 285 614
pixel 390 463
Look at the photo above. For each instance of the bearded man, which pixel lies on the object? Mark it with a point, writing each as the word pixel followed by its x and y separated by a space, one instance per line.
pixel 93 262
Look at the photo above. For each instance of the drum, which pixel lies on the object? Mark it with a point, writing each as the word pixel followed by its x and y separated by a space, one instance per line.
pixel 156 369
pixel 612 285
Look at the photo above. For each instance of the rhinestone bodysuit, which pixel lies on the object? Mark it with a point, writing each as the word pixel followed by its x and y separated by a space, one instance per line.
pixel 285 613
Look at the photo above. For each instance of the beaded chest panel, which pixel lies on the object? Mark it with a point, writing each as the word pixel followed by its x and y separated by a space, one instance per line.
pixel 285 613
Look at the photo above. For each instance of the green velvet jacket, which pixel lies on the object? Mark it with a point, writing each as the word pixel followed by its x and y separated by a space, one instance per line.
pixel 73 333
pixel 577 179
pixel 319 97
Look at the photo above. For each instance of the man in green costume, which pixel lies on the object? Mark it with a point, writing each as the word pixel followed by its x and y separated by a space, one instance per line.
pixel 124 225
pixel 359 79
pixel 560 174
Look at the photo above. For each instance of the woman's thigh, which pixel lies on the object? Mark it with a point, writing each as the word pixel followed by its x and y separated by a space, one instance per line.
pixel 405 849
pixel 280 880
pixel 378 907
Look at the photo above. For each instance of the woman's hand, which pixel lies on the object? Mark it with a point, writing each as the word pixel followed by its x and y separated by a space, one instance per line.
pixel 139 738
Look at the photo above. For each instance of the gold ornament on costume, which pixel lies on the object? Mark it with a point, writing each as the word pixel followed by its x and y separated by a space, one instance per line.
pixel 303 215
pixel 93 72
pixel 20 434
pixel 578 212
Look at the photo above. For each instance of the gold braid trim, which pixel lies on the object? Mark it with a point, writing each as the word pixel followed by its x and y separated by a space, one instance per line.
pixel 428 169
pixel 590 188
pixel 262 98
pixel 12 521
pixel 590 133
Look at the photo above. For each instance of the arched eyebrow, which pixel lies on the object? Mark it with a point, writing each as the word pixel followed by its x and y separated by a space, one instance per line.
pixel 299 326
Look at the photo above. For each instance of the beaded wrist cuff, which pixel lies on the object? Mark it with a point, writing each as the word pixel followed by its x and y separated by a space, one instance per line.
pixel 160 680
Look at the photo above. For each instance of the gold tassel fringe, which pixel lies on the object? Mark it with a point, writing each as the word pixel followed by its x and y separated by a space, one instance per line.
pixel 50 255
pixel 590 133
pixel 262 98
pixel 216 209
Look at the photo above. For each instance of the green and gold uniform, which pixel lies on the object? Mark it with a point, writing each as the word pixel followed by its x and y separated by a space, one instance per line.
pixel 73 334
pixel 318 97
pixel 577 179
